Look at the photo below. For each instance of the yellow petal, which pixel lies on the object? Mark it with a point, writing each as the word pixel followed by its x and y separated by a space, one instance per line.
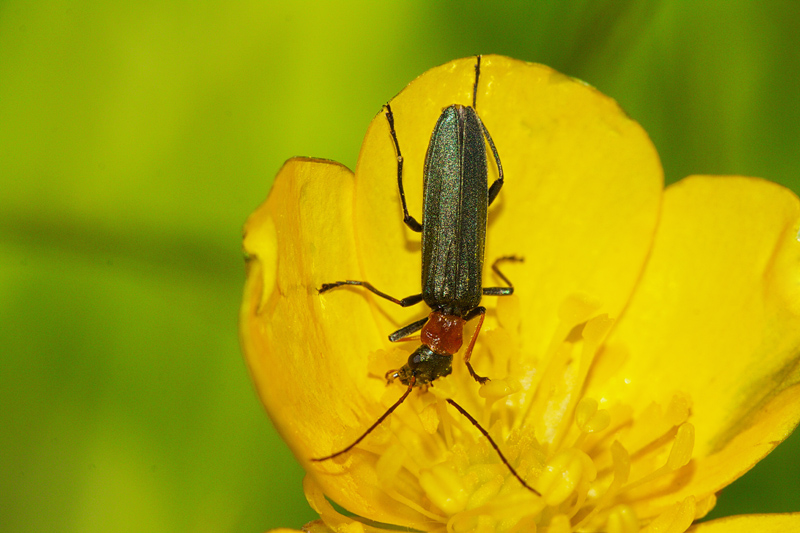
pixel 774 523
pixel 580 201
pixel 307 355
pixel 717 316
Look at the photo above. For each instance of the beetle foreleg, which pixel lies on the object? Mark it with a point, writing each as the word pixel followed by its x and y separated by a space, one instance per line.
pixel 410 221
pixel 402 333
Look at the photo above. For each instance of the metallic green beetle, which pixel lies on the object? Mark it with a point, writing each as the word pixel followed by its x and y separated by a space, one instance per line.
pixel 456 199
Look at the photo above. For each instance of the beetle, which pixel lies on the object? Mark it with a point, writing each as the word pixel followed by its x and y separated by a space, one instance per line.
pixel 456 198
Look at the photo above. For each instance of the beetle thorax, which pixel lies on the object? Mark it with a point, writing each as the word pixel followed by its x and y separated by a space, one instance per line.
pixel 443 333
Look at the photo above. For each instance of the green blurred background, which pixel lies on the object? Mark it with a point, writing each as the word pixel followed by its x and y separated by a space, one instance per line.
pixel 136 137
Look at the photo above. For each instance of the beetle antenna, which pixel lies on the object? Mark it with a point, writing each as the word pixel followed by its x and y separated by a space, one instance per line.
pixel 372 427
pixel 493 443
pixel 475 87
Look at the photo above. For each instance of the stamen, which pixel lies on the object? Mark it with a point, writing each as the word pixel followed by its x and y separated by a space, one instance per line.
pixel 577 308
pixel 676 519
pixel 704 506
pixel 445 488
pixel 518 511
pixel 429 415
pixel 559 524
pixel 508 314
pixel 621 470
pixel 504 350
pixel 497 389
pixel 576 373
pixel 679 456
pixel 390 463
pixel 622 465
pixel 492 442
pixel 446 424
pixel 622 519
pixel 434 463
pixel 567 362
pixel 658 424
pixel 486 491
pixel 494 391
pixel 589 419
pixel 411 503
pixel 563 473
pixel 681 452
pixel 678 410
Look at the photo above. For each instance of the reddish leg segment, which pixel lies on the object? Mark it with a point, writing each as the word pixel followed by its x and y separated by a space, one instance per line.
pixel 467 355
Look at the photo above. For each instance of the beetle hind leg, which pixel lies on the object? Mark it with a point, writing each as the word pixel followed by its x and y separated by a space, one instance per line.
pixel 405 302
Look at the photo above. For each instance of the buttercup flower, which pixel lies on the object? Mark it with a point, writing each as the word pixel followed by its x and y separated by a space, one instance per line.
pixel 648 357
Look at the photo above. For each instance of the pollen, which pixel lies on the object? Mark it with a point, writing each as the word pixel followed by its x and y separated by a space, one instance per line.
pixel 589 461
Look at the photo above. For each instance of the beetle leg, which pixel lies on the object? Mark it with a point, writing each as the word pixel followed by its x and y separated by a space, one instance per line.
pixel 498 183
pixel 478 311
pixel 405 302
pixel 402 333
pixel 502 291
pixel 410 221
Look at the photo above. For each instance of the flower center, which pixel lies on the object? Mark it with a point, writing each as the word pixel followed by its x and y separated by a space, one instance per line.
pixel 592 460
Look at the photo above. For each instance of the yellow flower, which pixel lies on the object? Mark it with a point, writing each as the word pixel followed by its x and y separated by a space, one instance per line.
pixel 648 357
